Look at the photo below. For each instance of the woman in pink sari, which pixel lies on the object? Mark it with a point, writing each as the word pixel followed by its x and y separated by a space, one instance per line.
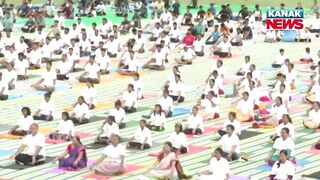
pixel 77 156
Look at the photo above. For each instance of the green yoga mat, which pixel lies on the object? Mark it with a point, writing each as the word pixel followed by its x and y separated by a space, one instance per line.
pixel 14 166
pixel 315 175
pixel 245 134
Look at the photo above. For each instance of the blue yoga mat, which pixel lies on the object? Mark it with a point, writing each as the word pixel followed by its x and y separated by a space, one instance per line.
pixel 268 69
pixel 12 96
pixel 301 86
pixel 302 162
pixel 289 36
pixel 264 168
pixel 6 152
pixel 180 111
pixel 228 90
pixel 58 88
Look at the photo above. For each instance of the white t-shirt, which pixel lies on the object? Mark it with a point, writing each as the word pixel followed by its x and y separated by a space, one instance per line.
pixel 246 107
pixel 21 66
pixel 158 119
pixel 219 169
pixel 156 32
pixel 5 86
pixel 138 85
pixel 65 127
pixel 118 115
pixel 115 153
pixel 280 59
pixel 188 55
pixel 195 120
pixel 79 110
pixel 245 67
pixel 198 45
pixel 25 122
pixel 47 107
pixel 90 93
pixel 112 47
pixel 286 169
pixel 316 90
pixel 64 67
pixel 278 111
pixel 235 124
pixel 103 61
pixel 33 141
pixel 34 57
pixel 289 126
pixel 281 144
pixel 7 76
pixel 49 77
pixel 178 140
pixel 314 116
pixel 166 103
pixel 175 88
pixel 108 130
pixel 130 98
pixel 141 135
pixel 92 70
pixel 227 142
pixel 159 57
pixel 208 107
pixel 225 46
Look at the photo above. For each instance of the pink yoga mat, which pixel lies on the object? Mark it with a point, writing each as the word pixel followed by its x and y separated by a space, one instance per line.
pixel 207 130
pixel 230 81
pixel 192 150
pixel 59 141
pixel 128 169
pixel 296 108
pixel 56 170
pixel 150 95
pixel 313 150
pixel 296 97
pixel 236 177
pixel 300 62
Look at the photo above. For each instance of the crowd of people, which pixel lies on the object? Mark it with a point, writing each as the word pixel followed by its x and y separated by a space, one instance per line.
pixel 125 43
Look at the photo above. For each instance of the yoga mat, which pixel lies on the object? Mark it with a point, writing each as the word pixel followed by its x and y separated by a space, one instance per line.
pixel 21 167
pixel 245 134
pixel 315 175
pixel 45 131
pixel 301 86
pixel 264 167
pixel 56 170
pixel 300 62
pixel 190 88
pixel 302 162
pixel 268 69
pixel 12 96
pixel 93 119
pixel 4 152
pixel 228 90
pixel 206 131
pixel 9 136
pixel 296 97
pixel 192 150
pixel 296 108
pixel 58 88
pixel 150 95
pixel 180 111
pixel 230 81
pixel 237 177
pixel 313 150
pixel 128 169
pixel 5 127
pixel 95 146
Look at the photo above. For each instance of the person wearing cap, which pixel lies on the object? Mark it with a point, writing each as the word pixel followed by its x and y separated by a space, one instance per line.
pixel 92 71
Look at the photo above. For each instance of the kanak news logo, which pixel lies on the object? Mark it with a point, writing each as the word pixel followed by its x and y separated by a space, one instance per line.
pixel 285 19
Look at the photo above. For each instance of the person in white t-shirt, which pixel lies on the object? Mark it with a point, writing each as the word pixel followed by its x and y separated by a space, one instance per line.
pixel 284 142
pixel 80 113
pixel 314 94
pixel 315 25
pixel 166 102
pixel 286 122
pixel 129 66
pixel 129 100
pixel 4 89
pixel 92 72
pixel 10 76
pixel 158 119
pixel 109 128
pixel 119 114
pixel 176 89
pixel 48 79
pixel 198 45
pixel 142 137
pixel 280 59
pixel 89 94
pixel 112 159
pixel 232 119
pixel 21 67
pixel 63 69
pixel 244 67
pixel 282 169
pixel 65 129
pixel 34 56
pixel 179 140
pixel 137 85
pixel 219 167
pixel 35 144
pixel 194 123
pixel 223 49
pixel 244 108
pixel 308 56
pixel 46 109
pixel 304 35
pixel 219 68
pixel 112 46
pixel 313 121
pixel 187 55
pixel 157 61
pixel 209 106
pixel 103 61
pixel 23 126
pixel 276 113
pixel 230 144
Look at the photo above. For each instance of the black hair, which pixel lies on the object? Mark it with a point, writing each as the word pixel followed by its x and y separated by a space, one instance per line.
pixel 219 150
pixel 26 109
pixel 66 114
pixel 285 129
pixel 179 125
pixel 231 127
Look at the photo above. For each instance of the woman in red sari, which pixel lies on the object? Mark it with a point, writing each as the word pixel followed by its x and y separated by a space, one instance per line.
pixel 77 156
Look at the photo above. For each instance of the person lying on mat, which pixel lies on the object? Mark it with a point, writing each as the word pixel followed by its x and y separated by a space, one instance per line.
pixel 157 61
pixel 166 102
pixel 244 108
pixel 230 144
pixel 284 142
pixel 176 89
pixel 314 94
pixel 48 79
pixel 223 48
pixel 157 120
pixel 280 59
pixel 244 67
pixel 286 122
pixel 89 94
pixel 91 72
pixel 308 56
pixel 283 168
pixel 129 65
pixel 109 128
pixel 232 120
pixel 313 121
pixel 194 123
pixel 219 167
pixel 137 85
pixel 35 144
pixel 187 55
pixel 23 126
pixel 119 114
pixel 111 161
pixel 167 166
pixel 179 140
pixel 209 106
pixel 142 137
pixel 77 156
pixel 65 129
pixel 46 109
pixel 129 100
pixel 80 113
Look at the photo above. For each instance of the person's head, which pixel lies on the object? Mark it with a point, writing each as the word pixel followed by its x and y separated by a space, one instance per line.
pixel 76 141
pixel 178 128
pixel 216 28
pixel 219 63
pixel 110 120
pixel 283 157
pixel 177 77
pixel 282 6
pixel 282 88
pixel 252 84
pixel 218 153
pixel 48 65
pixel 185 48
pixel 199 36
pixel 210 95
pixel 34 129
pixel 130 88
pixel 232 116
pixel 316 105
pixel 278 101
pixel 47 96
pixel 249 75
pixel 114 139
pixel 247 59
pixel 285 132
pixel 65 115
pixel 307 50
pixel 230 129
pixel 175 69
pixel 142 123
pixel 286 119
pixel 167 147
pixel 81 100
pixel 157 108
pixel 165 93
pixel 257 7
pixel 195 110
pixel 117 104
pixel 225 39
pixel 215 73
pixel 212 82
pixel 290 67
pixel 91 59
pixel 281 51
pixel 245 95
pixel 26 111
